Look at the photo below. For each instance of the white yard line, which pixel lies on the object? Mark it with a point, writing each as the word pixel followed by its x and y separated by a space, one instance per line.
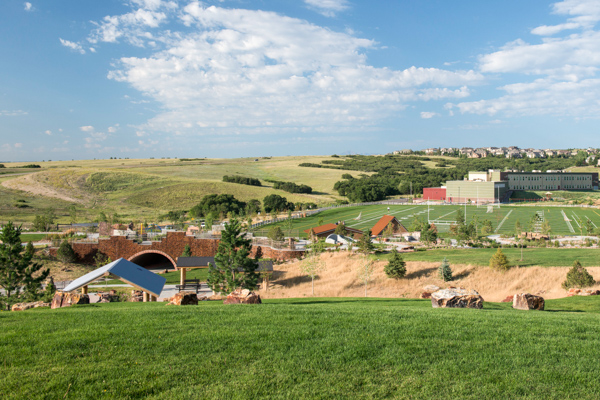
pixel 502 222
pixel 595 226
pixel 445 215
pixel 567 221
pixel 378 218
pixel 576 218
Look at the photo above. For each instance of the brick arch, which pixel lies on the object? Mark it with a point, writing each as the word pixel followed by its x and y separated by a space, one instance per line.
pixel 162 253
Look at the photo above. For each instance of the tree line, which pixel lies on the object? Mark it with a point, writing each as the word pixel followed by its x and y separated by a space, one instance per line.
pixel 401 175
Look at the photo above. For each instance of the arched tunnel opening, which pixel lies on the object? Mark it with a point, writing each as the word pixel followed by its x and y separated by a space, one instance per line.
pixel 153 261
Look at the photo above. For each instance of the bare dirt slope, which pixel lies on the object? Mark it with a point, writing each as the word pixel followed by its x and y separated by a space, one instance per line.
pixel 31 184
pixel 341 279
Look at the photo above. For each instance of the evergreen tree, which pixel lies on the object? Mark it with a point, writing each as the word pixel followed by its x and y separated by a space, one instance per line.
pixel 499 261
pixel 275 233
pixel 365 245
pixel 65 252
pixel 233 266
pixel 17 268
pixel 340 229
pixel 444 271
pixel 396 268
pixel 187 251
pixel 578 277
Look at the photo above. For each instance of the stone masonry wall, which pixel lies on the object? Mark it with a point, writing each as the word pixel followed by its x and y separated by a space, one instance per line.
pixel 173 245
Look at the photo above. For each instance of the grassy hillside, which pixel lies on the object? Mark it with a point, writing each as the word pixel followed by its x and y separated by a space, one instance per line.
pixel 302 348
pixel 144 189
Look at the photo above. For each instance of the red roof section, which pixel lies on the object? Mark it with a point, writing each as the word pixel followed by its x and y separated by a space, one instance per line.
pixel 382 224
pixel 330 227
pixel 322 228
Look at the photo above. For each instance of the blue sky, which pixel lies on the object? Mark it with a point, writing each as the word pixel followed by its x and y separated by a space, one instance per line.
pixel 231 78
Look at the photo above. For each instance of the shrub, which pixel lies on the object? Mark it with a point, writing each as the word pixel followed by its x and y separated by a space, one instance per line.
pixel 275 233
pixel 396 268
pixel 292 187
pixel 578 277
pixel 444 271
pixel 243 180
pixel 499 261
pixel 65 253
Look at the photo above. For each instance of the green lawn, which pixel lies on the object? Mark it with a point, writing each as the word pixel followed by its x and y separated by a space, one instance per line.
pixel 32 237
pixel 302 349
pixel 543 257
pixel 563 220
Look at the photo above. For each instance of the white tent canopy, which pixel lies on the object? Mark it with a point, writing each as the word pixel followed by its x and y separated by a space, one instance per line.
pixel 128 272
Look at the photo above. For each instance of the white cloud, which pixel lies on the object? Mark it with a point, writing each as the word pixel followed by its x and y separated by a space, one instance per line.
pixel 18 145
pixel 12 113
pixel 249 72
pixel 560 76
pixel 87 128
pixel 429 114
pixel 28 6
pixel 48 132
pixel 72 45
pixel 132 26
pixel 113 129
pixel 328 8
pixel 585 14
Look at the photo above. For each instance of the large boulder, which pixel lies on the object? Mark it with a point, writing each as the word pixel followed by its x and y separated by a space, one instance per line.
pixel 137 296
pixel 456 298
pixel 184 299
pixel 27 306
pixel 65 299
pixel 242 296
pixel 111 297
pixel 527 301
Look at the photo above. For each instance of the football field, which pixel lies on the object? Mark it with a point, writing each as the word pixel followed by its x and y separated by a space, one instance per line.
pixel 562 220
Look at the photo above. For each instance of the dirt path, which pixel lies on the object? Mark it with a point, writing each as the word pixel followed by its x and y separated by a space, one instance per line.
pixel 30 185
pixel 340 279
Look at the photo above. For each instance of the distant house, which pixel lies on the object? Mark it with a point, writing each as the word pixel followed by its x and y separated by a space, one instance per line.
pixel 325 230
pixel 384 222
pixel 192 230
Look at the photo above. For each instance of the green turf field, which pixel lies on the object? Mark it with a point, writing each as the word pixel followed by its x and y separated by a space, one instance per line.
pixel 302 349
pixel 563 220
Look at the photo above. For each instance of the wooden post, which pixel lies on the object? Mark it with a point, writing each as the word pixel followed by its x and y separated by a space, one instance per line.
pixel 182 279
pixel 146 297
pixel 84 289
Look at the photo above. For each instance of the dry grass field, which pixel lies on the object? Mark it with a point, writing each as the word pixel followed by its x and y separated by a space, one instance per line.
pixel 144 189
pixel 340 278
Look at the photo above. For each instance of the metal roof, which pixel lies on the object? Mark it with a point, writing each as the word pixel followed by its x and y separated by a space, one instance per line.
pixel 128 272
pixel 186 262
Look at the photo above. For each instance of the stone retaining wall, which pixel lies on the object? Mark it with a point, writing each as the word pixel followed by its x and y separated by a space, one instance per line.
pixel 173 245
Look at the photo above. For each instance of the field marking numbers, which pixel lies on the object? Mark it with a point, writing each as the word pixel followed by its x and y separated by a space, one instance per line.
pixel 502 222
pixel 568 222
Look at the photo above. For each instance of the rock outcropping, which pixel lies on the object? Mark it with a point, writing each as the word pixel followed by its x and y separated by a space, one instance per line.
pixel 583 292
pixel 27 306
pixel 456 298
pixel 64 299
pixel 242 296
pixel 527 301
pixel 184 299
